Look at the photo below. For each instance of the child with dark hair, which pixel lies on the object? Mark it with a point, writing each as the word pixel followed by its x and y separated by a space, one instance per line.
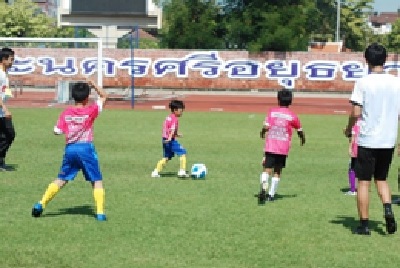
pixel 277 131
pixel 76 123
pixel 7 131
pixel 169 143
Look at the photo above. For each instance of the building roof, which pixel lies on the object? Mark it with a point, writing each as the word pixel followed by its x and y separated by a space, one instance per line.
pixel 326 47
pixel 384 18
pixel 144 35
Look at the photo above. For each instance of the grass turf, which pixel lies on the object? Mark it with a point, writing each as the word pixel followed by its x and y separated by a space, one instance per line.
pixel 169 222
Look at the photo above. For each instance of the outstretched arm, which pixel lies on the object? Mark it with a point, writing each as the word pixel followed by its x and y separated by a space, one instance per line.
pixel 102 94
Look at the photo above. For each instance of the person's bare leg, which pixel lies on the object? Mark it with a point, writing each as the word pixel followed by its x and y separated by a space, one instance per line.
pixel 383 191
pixel 363 199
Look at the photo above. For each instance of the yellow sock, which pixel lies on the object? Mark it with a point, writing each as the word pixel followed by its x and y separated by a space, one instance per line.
pixel 182 161
pixel 99 194
pixel 51 191
pixel 161 164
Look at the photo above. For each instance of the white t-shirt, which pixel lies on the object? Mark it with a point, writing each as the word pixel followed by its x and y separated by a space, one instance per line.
pixel 5 92
pixel 379 96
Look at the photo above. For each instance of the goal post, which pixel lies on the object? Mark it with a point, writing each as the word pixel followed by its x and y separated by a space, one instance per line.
pixel 47 52
pixel 98 41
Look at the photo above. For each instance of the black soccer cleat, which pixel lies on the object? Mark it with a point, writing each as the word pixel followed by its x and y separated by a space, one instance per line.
pixel 360 230
pixel 391 226
pixel 37 210
pixel 262 197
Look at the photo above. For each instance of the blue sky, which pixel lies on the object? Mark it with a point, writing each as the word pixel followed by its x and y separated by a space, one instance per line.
pixel 386 5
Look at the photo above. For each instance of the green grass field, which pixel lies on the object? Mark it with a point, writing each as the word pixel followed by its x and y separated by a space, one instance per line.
pixel 169 222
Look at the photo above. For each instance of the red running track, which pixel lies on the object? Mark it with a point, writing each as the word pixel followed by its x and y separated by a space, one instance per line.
pixel 216 103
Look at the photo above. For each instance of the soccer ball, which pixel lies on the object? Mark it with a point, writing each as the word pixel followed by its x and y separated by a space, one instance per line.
pixel 198 171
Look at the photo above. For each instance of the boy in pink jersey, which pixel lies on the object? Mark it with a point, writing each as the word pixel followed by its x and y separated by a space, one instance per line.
pixel 278 126
pixel 76 123
pixel 170 145
pixel 355 131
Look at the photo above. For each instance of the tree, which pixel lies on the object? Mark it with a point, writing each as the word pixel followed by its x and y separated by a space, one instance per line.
pixel 192 24
pixel 126 42
pixel 393 39
pixel 259 25
pixel 322 27
pixel 353 21
pixel 24 18
pixel 277 25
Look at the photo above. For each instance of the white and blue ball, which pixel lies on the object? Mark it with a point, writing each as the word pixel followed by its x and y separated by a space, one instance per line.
pixel 198 171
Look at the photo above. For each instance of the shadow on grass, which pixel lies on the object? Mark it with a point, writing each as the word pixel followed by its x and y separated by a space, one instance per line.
pixel 351 223
pixel 78 210
pixel 175 175
pixel 280 196
pixel 168 174
pixel 11 167
pixel 396 199
pixel 345 190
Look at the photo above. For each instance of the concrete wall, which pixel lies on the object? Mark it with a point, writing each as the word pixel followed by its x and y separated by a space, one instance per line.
pixel 189 69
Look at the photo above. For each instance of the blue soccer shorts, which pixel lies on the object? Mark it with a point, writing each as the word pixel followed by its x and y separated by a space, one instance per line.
pixel 171 148
pixel 80 156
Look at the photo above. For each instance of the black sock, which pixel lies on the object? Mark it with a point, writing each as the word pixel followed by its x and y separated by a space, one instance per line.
pixel 364 222
pixel 387 208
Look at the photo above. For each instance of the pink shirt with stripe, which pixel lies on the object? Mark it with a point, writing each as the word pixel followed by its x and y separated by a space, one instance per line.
pixel 170 125
pixel 77 122
pixel 280 122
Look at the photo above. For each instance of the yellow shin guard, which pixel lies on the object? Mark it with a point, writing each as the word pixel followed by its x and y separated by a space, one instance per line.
pixel 161 164
pixel 51 191
pixel 99 196
pixel 182 162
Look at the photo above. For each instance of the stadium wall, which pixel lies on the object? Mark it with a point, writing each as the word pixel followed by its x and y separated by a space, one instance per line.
pixel 195 69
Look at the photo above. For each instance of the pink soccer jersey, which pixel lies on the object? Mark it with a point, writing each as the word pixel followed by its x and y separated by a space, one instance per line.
pixel 77 123
pixel 170 125
pixel 280 122
pixel 355 131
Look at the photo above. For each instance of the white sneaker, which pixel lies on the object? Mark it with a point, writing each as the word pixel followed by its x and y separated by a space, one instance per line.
pixel 155 174
pixel 351 193
pixel 182 174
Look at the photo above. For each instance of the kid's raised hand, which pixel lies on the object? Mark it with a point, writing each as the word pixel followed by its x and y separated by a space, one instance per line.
pixel 91 83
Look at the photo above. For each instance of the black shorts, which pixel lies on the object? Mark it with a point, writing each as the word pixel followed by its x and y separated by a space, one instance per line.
pixel 373 163
pixel 274 160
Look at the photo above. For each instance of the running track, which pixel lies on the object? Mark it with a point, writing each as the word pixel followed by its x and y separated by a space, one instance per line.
pixel 302 104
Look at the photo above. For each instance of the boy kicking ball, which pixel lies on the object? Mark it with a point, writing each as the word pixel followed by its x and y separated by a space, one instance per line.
pixel 169 141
